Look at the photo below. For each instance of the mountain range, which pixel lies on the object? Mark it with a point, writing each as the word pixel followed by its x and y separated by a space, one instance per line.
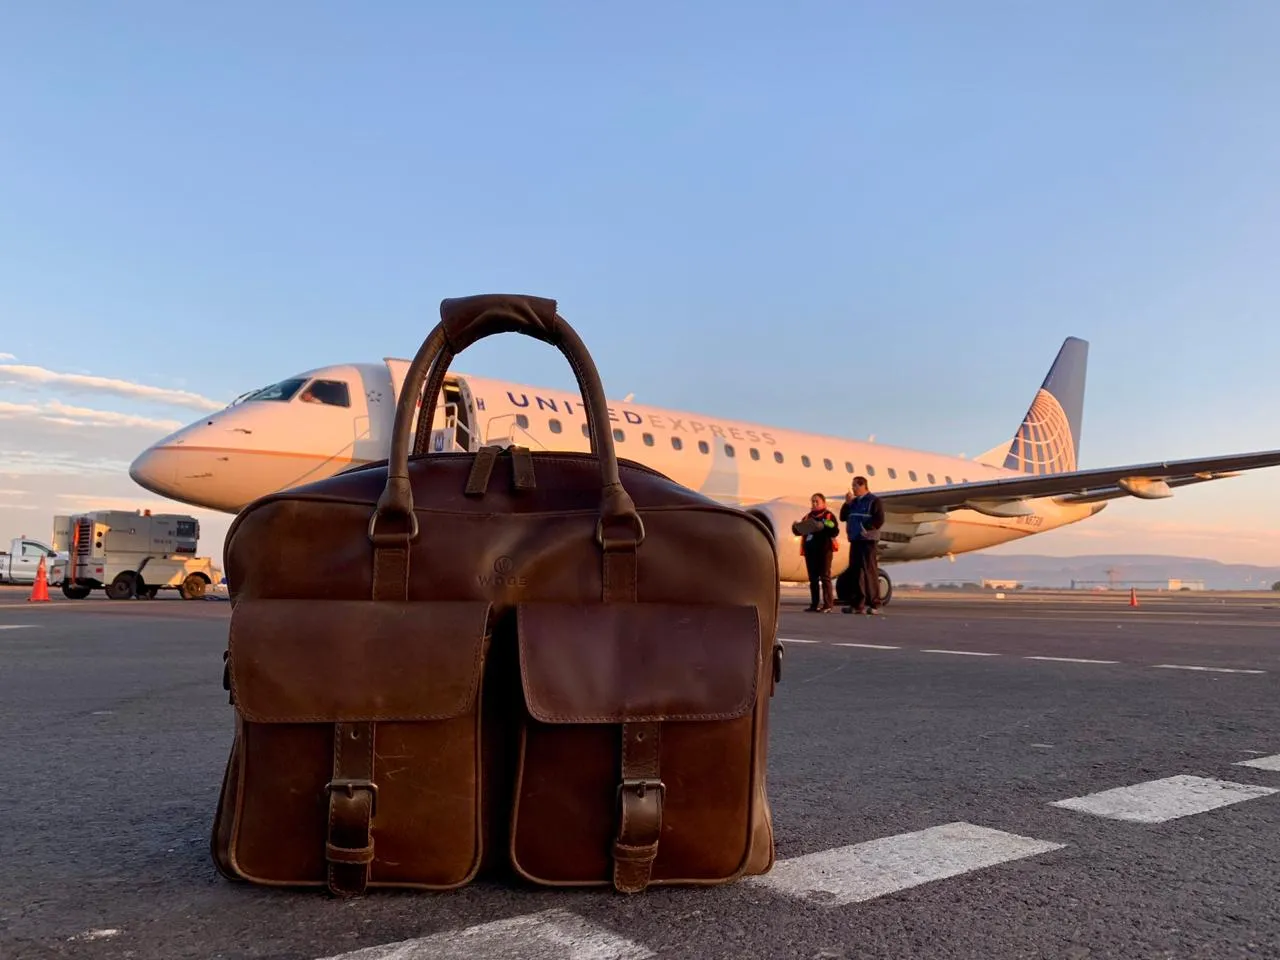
pixel 1122 570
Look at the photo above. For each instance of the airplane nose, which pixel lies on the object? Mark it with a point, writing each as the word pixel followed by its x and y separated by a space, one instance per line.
pixel 156 471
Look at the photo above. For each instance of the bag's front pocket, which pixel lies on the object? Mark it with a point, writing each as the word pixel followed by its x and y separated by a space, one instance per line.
pixel 360 742
pixel 640 752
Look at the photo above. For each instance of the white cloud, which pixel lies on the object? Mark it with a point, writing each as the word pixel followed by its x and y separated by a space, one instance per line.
pixel 79 382
pixel 61 414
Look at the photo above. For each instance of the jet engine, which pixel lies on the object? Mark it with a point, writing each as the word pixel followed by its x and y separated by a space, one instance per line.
pixel 779 515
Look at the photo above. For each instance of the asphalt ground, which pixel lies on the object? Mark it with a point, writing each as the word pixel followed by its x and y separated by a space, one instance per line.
pixel 938 791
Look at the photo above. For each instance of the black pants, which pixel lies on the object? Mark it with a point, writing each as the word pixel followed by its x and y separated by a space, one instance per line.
pixel 864 575
pixel 817 561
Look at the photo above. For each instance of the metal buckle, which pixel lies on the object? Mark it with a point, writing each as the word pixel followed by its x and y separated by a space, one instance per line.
pixel 349 787
pixel 600 532
pixel 379 539
pixel 641 785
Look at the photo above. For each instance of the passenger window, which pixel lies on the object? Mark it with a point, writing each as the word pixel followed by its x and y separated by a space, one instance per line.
pixel 619 436
pixel 948 479
pixel 777 455
pixel 676 444
pixel 911 474
pixel 893 474
pixel 586 431
pixel 522 421
pixel 332 393
pixel 702 447
pixel 648 439
pixel 805 460
pixel 554 425
pixel 871 471
pixel 931 480
pixel 728 450
pixel 848 467
pixel 755 454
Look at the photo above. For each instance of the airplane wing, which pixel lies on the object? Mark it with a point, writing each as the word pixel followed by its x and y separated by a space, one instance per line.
pixel 1148 481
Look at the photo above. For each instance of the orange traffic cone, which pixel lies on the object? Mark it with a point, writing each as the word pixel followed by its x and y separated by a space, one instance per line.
pixel 40 589
pixel 1133 596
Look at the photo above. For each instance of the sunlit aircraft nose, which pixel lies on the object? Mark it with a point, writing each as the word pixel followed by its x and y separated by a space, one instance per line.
pixel 156 470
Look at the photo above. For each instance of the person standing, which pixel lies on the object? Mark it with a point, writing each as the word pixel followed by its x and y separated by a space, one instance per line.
pixel 863 516
pixel 818 543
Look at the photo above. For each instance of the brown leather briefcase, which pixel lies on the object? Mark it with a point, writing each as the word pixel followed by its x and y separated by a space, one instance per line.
pixel 555 665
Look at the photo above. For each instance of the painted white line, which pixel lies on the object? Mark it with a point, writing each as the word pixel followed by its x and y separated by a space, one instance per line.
pixel 1070 660
pixel 796 640
pixel 873 869
pixel 15 626
pixel 1181 666
pixel 963 653
pixel 1159 800
pixel 1262 763
pixel 537 936
pixel 867 646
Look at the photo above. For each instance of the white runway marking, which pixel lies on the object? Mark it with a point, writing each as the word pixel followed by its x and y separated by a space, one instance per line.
pixel 1070 660
pixel 15 626
pixel 538 936
pixel 868 646
pixel 796 640
pixel 1180 666
pixel 963 653
pixel 873 869
pixel 1262 763
pixel 1159 800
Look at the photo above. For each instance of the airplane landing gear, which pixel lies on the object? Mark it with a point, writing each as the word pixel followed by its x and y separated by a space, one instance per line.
pixel 842 587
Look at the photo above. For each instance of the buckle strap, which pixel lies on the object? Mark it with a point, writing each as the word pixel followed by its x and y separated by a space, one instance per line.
pixel 523 475
pixel 352 801
pixel 640 795
pixel 481 470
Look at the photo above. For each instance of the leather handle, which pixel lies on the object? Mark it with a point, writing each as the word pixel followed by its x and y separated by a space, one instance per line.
pixel 463 322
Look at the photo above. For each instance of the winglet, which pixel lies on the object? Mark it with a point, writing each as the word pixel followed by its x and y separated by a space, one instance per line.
pixel 1048 440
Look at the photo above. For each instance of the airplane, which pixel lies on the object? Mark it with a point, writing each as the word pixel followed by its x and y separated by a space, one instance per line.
pixel 333 418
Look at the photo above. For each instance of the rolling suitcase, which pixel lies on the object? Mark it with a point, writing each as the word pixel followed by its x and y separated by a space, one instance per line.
pixel 553 666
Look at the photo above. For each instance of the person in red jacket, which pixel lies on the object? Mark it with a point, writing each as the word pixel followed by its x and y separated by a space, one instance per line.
pixel 819 530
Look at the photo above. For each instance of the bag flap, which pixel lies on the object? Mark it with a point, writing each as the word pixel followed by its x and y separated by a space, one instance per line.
pixel 312 661
pixel 609 663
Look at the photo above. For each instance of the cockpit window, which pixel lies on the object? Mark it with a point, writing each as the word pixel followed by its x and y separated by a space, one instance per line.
pixel 282 391
pixel 331 392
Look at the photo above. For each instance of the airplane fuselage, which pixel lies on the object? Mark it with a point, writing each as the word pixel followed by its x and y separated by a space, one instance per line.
pixel 269 443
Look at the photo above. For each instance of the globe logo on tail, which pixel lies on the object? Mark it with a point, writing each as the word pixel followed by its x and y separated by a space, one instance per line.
pixel 1043 443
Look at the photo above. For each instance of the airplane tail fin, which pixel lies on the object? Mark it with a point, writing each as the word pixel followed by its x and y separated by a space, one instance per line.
pixel 1048 440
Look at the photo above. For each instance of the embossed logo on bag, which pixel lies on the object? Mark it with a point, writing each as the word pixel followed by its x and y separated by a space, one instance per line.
pixel 501 576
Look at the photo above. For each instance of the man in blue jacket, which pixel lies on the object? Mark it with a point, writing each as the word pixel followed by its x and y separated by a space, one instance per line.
pixel 863 516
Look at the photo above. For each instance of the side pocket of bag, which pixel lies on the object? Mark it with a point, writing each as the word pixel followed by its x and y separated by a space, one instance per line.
pixel 360 746
pixel 638 759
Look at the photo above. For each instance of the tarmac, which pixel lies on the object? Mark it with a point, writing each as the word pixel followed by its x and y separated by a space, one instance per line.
pixel 1045 774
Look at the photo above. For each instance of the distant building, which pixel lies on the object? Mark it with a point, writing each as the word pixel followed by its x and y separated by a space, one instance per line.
pixel 1001 584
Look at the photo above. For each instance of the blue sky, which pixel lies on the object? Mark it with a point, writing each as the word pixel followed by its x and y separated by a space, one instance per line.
pixel 853 218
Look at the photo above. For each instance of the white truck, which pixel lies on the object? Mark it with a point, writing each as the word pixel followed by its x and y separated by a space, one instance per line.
pixel 21 561
pixel 133 554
